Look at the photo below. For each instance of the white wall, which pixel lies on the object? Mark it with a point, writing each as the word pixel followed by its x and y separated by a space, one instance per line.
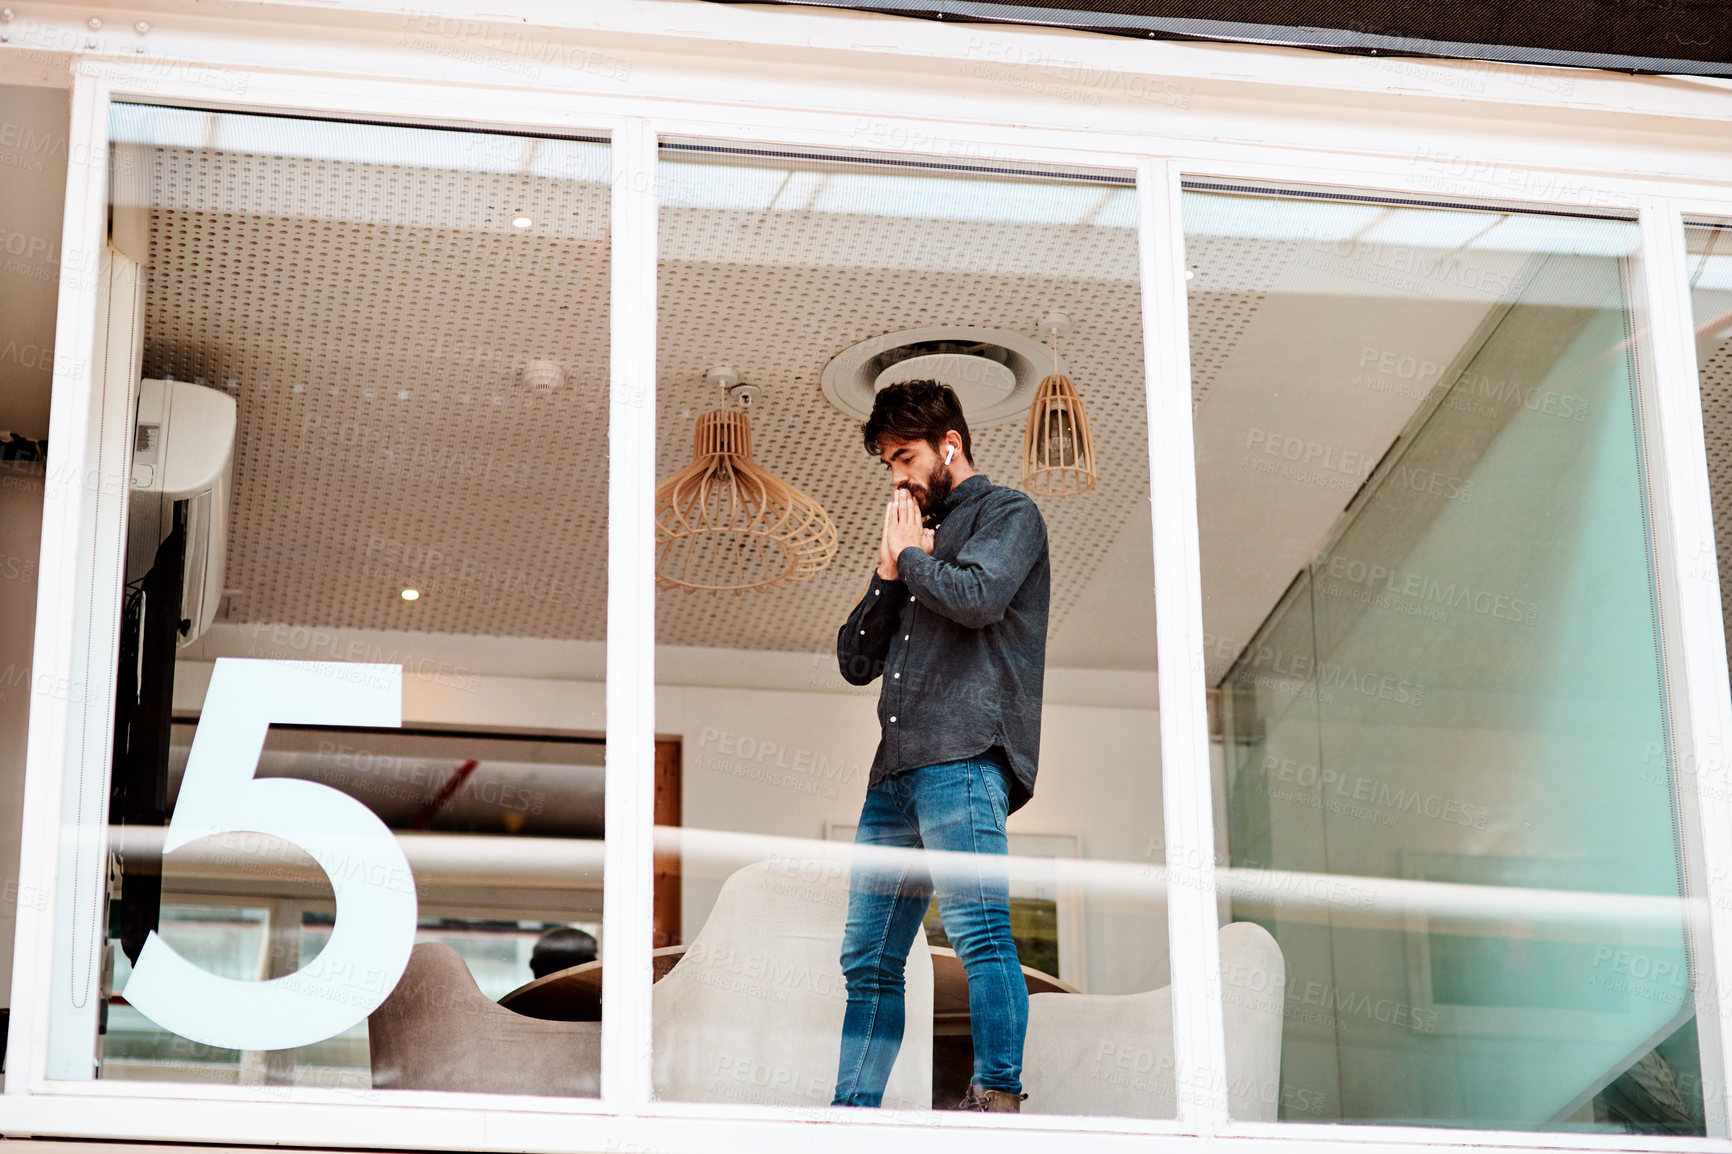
pixel 20 533
pixel 33 142
pixel 785 763
pixel 807 755
pixel 33 132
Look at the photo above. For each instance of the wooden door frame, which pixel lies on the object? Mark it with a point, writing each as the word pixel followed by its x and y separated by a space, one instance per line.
pixel 666 917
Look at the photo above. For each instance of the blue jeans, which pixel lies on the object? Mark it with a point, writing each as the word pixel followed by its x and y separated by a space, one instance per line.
pixel 960 807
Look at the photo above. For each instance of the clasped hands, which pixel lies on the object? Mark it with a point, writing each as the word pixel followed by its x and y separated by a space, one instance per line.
pixel 902 530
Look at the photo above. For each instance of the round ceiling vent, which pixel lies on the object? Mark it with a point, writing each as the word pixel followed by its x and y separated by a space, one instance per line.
pixel 994 372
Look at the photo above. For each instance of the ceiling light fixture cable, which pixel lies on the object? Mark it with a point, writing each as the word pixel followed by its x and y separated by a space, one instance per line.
pixel 725 523
pixel 1058 455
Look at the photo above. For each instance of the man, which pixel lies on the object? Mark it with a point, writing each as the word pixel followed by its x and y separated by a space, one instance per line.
pixel 955 623
pixel 560 949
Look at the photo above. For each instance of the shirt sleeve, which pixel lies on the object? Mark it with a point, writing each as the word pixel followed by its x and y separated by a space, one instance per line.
pixel 863 643
pixel 975 590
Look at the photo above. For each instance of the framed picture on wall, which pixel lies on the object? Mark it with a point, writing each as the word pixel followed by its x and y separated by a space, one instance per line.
pixel 1509 974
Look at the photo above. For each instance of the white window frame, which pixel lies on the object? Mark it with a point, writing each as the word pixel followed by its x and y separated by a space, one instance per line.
pixel 811 113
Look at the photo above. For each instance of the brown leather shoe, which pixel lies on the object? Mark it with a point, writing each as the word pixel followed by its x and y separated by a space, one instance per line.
pixel 991 1101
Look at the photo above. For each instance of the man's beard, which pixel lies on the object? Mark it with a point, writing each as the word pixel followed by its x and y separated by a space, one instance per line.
pixel 937 487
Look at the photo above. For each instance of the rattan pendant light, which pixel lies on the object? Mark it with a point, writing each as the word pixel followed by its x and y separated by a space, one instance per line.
pixel 1058 455
pixel 724 523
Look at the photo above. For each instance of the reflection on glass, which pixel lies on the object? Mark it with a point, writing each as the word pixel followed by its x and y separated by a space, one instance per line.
pixel 809 284
pixel 368 480
pixel 1710 264
pixel 1431 629
pixel 230 942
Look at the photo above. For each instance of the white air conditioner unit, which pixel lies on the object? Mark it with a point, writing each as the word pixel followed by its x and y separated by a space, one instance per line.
pixel 183 450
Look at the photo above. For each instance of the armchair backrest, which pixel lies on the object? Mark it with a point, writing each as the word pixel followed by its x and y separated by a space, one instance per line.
pixel 753 1011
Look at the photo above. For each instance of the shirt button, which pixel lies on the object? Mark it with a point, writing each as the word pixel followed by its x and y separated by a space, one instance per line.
pixel 898 676
pixel 863 633
pixel 904 636
pixel 892 718
pixel 911 598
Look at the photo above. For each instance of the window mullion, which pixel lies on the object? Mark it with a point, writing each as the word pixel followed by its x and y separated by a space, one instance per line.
pixel 1693 631
pixel 1198 1045
pixel 64 864
pixel 629 856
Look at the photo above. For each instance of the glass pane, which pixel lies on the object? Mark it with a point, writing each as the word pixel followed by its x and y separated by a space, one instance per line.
pixel 1710 262
pixel 846 737
pixel 1453 893
pixel 367 485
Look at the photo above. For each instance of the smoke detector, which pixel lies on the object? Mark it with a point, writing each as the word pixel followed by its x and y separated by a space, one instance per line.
pixel 994 372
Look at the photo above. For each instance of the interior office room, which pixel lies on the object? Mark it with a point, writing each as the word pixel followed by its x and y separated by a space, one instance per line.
pixel 368 616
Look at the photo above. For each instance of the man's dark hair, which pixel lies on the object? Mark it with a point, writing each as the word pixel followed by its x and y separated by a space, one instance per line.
pixel 916 411
pixel 560 949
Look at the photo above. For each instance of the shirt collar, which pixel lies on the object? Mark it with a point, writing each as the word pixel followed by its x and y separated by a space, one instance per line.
pixel 966 491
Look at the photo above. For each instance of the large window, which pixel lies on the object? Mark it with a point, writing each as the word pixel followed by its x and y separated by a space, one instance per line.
pixel 458 523
pixel 368 368
pixel 793 288
pixel 1432 641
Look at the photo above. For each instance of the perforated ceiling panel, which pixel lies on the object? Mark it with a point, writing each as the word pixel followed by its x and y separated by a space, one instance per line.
pixel 386 441
pixel 384 437
pixel 1716 377
pixel 1218 315
pixel 780 325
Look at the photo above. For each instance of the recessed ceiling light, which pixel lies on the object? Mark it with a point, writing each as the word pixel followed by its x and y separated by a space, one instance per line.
pixel 521 222
pixel 411 595
pixel 543 374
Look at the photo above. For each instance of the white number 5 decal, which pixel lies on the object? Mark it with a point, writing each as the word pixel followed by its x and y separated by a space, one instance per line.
pixel 375 923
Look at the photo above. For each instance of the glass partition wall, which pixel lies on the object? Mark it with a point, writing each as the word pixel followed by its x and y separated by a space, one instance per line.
pixel 793 289
pixel 368 509
pixel 1451 829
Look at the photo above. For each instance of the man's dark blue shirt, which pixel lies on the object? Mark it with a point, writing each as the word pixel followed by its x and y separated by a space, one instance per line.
pixel 959 637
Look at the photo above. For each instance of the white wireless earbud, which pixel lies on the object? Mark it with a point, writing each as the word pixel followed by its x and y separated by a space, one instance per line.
pixel 949 453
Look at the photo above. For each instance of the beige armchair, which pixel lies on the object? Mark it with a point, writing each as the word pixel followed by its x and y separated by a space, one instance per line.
pixel 753 1011
pixel 438 1031
pixel 1112 1054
